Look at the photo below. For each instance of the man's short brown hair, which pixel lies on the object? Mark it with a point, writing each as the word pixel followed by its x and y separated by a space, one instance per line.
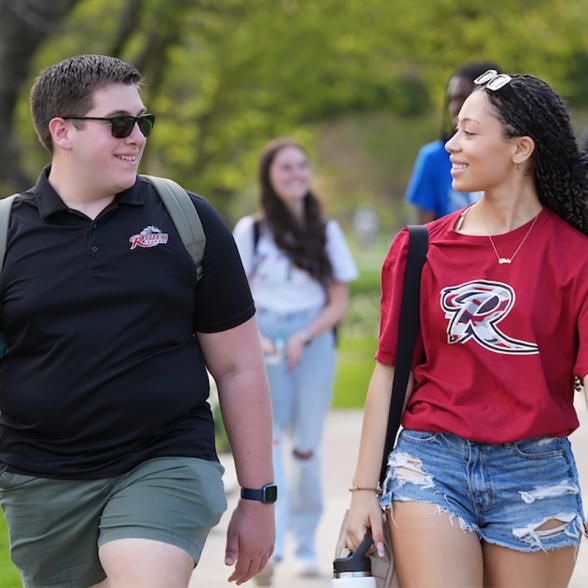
pixel 67 88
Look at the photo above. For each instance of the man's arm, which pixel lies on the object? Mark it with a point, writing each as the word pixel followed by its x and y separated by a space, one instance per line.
pixel 235 360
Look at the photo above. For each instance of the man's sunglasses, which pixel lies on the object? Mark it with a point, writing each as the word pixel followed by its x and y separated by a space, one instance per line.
pixel 122 126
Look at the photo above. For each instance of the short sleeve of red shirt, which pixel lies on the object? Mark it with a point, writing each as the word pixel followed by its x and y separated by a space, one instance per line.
pixel 392 280
pixel 581 366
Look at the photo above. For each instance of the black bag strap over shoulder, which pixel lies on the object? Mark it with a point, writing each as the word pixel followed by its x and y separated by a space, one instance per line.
pixel 256 234
pixel 408 328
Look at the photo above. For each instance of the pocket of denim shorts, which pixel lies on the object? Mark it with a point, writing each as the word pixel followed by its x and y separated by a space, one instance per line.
pixel 420 436
pixel 539 448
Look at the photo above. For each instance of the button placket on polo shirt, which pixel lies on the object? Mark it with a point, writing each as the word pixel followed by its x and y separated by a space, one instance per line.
pixel 94 245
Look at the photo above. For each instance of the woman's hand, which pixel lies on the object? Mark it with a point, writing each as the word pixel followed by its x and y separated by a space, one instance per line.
pixel 365 513
pixel 267 345
pixel 294 350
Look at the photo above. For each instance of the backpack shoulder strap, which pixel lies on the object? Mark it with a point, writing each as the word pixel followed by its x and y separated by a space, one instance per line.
pixel 256 234
pixel 184 216
pixel 5 210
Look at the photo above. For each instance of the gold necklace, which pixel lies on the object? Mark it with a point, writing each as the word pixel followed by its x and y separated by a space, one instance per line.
pixel 502 260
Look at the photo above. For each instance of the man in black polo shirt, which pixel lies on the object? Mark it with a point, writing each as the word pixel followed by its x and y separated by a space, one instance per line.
pixel 108 466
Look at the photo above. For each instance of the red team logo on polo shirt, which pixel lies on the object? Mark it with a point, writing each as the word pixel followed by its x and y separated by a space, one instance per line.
pixel 474 310
pixel 149 237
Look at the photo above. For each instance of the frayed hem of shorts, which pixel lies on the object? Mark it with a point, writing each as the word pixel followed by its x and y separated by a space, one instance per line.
pixel 467 528
pixel 572 527
pixel 439 511
pixel 531 548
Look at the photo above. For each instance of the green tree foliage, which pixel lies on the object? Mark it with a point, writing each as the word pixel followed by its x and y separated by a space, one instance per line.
pixel 23 27
pixel 224 76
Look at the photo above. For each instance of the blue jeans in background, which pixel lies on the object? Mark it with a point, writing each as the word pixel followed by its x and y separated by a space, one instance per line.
pixel 300 401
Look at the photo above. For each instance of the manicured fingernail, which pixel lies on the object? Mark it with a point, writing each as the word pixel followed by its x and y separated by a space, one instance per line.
pixel 380 548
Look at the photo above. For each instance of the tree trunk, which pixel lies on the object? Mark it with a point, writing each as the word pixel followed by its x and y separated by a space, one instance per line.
pixel 23 27
pixel 127 25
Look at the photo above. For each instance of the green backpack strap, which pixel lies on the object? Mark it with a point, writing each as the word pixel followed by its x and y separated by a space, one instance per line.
pixel 184 216
pixel 5 210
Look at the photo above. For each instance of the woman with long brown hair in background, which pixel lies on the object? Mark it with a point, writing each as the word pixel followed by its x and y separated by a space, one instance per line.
pixel 298 265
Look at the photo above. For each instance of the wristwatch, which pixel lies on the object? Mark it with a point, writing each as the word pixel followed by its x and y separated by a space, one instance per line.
pixel 267 494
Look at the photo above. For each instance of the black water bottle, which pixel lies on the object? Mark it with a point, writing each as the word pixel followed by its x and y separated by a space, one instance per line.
pixel 355 571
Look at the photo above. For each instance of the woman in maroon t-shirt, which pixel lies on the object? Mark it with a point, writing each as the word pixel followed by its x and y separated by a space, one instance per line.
pixel 504 332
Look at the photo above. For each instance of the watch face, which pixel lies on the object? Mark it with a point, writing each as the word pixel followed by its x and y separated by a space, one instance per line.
pixel 270 493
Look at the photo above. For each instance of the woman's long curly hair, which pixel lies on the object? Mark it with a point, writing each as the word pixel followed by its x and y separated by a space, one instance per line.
pixel 304 243
pixel 534 110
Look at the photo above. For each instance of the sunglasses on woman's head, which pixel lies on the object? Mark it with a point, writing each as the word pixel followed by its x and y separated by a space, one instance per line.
pixel 495 82
pixel 122 126
pixel 492 80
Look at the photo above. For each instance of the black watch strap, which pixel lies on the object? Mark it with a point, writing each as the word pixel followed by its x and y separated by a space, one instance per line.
pixel 267 494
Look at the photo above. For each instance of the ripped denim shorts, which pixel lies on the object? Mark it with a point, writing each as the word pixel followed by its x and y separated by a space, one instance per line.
pixel 507 494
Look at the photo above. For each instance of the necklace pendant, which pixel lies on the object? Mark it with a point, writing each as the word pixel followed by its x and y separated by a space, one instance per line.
pixel 502 260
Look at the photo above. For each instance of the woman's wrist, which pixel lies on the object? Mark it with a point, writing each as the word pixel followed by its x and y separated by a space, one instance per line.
pixel 373 489
pixel 306 337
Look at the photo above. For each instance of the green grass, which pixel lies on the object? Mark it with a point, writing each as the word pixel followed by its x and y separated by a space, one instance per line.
pixel 359 331
pixel 9 577
pixel 354 369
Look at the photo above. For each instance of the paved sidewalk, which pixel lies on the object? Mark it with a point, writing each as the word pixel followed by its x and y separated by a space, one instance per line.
pixel 340 451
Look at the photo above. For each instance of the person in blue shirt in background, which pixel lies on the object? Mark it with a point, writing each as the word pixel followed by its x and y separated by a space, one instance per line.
pixel 429 189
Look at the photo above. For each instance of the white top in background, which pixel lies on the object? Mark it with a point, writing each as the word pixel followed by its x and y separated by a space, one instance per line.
pixel 276 283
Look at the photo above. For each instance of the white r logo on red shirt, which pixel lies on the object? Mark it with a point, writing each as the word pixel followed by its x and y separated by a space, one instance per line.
pixel 474 309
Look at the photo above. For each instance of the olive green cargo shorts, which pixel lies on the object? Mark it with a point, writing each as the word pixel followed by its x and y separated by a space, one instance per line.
pixel 57 526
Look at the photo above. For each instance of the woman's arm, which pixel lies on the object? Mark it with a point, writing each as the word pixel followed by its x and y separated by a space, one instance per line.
pixel 365 511
pixel 332 313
